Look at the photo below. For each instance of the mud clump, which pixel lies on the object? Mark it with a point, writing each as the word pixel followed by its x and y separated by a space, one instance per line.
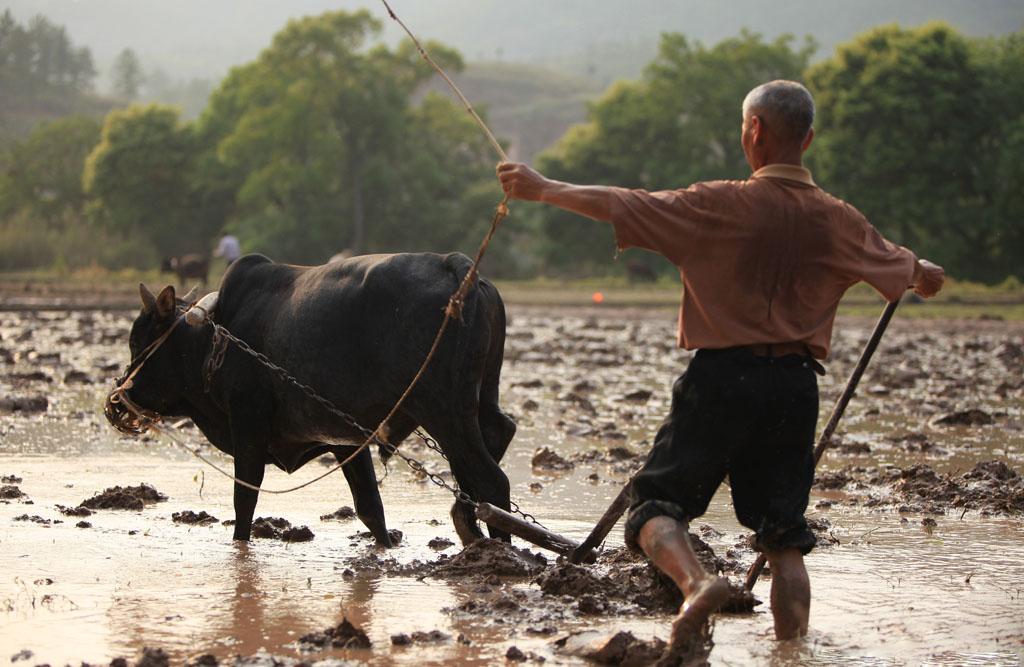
pixel 193 518
pixel 625 650
pixel 269 527
pixel 628 577
pixel 74 511
pixel 36 519
pixel 300 534
pixel 616 454
pixel 574 580
pixel 833 479
pixel 994 470
pixel 486 556
pixel 10 492
pixel 276 528
pixel 149 657
pixel 344 635
pixel 973 417
pixel 638 396
pixel 545 459
pixel 440 543
pixel 991 487
pixel 124 498
pixel 24 404
pixel 341 514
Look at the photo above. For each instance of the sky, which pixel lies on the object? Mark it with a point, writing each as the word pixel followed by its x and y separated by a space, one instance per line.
pixel 204 38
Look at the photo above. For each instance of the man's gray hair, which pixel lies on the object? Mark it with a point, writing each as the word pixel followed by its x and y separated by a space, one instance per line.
pixel 786 107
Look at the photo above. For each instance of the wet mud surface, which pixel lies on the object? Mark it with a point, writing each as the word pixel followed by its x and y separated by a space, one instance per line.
pixel 919 501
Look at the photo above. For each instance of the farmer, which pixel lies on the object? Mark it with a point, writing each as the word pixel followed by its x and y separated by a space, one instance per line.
pixel 228 248
pixel 764 263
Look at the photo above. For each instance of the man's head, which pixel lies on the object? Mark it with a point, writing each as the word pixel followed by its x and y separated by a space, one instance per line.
pixel 777 119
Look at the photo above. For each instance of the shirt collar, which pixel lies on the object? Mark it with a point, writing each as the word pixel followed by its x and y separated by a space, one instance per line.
pixel 788 171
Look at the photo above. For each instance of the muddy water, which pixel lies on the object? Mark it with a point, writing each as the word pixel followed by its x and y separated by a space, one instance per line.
pixel 896 582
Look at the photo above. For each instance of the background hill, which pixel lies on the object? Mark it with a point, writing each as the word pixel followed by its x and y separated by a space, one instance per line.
pixel 527 105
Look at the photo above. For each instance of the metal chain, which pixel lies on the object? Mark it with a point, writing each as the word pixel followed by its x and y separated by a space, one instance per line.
pixel 223 334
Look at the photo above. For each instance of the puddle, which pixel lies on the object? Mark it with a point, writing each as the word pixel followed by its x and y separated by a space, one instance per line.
pixel 891 588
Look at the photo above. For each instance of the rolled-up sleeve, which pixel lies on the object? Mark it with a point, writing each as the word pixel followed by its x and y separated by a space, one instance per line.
pixel 887 267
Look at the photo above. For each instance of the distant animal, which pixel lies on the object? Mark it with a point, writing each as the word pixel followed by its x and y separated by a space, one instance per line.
pixel 639 272
pixel 355 331
pixel 187 266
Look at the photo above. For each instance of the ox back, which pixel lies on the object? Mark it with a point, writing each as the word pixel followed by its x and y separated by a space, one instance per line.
pixel 357 332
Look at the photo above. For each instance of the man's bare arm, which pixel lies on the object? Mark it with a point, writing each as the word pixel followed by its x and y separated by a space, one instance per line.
pixel 520 181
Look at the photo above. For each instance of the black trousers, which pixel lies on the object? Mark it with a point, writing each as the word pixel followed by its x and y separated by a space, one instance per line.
pixel 747 417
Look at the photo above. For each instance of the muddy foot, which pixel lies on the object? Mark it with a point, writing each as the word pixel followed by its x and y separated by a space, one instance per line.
pixel 688 630
pixel 693 653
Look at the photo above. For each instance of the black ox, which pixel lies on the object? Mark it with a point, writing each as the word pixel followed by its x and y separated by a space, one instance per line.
pixel 356 332
pixel 187 266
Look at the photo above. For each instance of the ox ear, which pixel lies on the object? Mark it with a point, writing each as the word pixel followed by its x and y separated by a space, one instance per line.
pixel 192 296
pixel 148 300
pixel 165 303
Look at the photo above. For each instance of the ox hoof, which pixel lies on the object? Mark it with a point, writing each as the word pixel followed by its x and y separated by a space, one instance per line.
pixel 466 528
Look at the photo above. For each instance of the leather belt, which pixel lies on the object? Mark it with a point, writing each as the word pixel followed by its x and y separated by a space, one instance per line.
pixel 778 349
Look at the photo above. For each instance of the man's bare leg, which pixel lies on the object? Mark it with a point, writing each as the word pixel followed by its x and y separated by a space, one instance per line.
pixel 791 593
pixel 666 542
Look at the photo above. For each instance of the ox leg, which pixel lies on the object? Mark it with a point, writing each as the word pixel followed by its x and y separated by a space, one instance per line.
pixel 478 476
pixel 249 468
pixel 497 428
pixel 362 482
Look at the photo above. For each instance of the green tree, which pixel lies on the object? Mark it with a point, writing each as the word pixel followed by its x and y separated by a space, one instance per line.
pixel 441 196
pixel 42 75
pixel 42 202
pixel 40 56
pixel 140 178
pixel 677 125
pixel 900 134
pixel 43 173
pixel 1000 182
pixel 316 133
pixel 128 76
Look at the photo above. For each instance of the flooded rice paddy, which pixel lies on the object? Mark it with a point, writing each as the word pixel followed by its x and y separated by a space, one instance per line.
pixel 919 508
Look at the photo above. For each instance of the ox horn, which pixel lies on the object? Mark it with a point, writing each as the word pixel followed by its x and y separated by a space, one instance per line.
pixel 192 295
pixel 198 313
pixel 148 300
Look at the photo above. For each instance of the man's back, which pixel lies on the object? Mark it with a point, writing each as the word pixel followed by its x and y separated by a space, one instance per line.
pixel 762 261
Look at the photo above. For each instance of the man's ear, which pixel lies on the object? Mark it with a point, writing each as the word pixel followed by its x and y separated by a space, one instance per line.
pixel 807 141
pixel 757 129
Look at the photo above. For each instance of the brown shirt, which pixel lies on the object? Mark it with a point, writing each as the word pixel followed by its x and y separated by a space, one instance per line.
pixel 764 260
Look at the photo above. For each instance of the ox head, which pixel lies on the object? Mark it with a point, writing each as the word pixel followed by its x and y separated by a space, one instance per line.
pixel 151 382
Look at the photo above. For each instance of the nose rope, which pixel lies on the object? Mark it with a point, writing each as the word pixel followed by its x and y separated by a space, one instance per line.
pixel 145 419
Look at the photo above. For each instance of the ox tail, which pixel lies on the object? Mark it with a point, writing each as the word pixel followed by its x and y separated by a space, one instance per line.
pixel 480 326
pixel 460 267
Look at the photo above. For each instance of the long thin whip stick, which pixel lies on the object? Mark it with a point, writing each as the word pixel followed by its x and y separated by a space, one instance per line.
pixel 837 412
pixel 465 102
